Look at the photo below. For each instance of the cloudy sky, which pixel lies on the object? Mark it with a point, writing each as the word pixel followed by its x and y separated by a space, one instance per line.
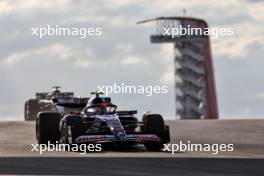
pixel 123 54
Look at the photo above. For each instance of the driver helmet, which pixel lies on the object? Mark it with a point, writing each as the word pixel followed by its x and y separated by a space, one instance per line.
pixel 99 110
pixel 94 101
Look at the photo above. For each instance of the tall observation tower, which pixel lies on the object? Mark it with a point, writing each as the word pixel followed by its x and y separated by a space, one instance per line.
pixel 195 86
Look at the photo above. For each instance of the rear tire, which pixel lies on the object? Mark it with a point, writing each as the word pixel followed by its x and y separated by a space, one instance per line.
pixel 154 124
pixel 31 109
pixel 47 127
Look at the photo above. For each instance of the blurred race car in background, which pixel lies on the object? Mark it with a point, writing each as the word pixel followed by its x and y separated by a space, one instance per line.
pixel 43 102
pixel 96 120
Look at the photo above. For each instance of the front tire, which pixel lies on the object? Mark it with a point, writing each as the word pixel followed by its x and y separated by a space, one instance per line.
pixel 154 124
pixel 72 128
pixel 47 127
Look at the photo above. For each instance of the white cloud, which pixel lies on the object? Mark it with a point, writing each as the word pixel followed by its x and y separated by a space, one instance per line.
pixel 229 48
pixel 134 60
pixel 236 46
pixel 119 3
pixel 125 47
pixel 168 77
pixel 126 53
pixel 256 11
pixel 8 7
pixel 260 95
pixel 54 49
pixel 58 51
pixel 166 57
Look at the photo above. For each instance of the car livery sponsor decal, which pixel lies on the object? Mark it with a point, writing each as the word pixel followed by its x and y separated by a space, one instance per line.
pixel 112 138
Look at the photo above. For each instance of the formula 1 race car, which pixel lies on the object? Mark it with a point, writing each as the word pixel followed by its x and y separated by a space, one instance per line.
pixel 43 102
pixel 96 120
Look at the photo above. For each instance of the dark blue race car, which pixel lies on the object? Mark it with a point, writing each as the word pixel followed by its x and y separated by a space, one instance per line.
pixel 96 120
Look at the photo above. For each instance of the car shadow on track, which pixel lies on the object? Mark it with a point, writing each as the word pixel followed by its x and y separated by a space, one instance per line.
pixel 123 148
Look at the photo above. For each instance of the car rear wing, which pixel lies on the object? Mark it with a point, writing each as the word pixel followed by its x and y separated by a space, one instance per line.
pixel 68 94
pixel 71 101
pixel 43 95
pixel 131 112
